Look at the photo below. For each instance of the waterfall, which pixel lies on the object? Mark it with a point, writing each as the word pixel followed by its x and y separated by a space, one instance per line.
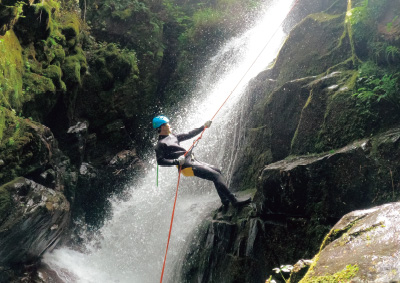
pixel 131 245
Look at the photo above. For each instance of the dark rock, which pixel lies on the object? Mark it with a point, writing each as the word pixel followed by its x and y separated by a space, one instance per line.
pixel 126 160
pixel 34 223
pixel 46 275
pixel 297 202
pixel 227 248
pixel 331 184
pixel 299 58
pixel 34 154
pixel 34 25
pixel 273 116
pixel 76 139
pixel 8 17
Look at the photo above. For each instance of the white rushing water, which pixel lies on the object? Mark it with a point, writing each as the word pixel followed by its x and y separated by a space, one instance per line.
pixel 131 246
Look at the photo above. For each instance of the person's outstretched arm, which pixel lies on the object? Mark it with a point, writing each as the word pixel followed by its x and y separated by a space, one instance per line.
pixel 189 135
pixel 193 133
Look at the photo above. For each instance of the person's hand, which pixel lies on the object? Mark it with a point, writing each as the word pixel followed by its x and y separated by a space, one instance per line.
pixel 207 124
pixel 181 160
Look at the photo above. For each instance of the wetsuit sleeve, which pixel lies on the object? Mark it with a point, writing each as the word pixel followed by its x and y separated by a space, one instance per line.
pixel 191 134
pixel 161 160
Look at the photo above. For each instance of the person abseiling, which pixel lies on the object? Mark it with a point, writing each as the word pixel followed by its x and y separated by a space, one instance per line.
pixel 169 153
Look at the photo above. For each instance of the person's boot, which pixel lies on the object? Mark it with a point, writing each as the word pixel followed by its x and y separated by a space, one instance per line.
pixel 224 207
pixel 240 202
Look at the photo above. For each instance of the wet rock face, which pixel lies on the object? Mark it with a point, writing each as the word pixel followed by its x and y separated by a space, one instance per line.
pixel 228 249
pixel 34 154
pixel 35 176
pixel 366 238
pixel 241 246
pixel 33 223
pixel 330 185
pixel 127 161
pixel 297 202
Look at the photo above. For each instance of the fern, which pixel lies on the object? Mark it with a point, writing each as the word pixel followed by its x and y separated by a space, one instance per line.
pixel 373 90
pixel 391 52
pixel 389 25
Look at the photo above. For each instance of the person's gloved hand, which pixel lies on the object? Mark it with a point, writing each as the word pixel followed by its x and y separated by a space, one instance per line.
pixel 181 160
pixel 207 124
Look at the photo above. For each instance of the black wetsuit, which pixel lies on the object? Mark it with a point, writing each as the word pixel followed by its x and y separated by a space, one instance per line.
pixel 168 150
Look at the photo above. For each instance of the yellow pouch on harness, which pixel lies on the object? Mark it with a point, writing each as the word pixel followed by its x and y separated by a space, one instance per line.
pixel 187 172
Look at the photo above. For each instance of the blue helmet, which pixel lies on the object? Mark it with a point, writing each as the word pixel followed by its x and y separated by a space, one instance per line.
pixel 159 121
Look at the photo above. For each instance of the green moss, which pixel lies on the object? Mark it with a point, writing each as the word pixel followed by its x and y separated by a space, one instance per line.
pixel 113 65
pixel 74 66
pixel 11 71
pixel 54 73
pixel 9 16
pixel 43 10
pixel 70 26
pixel 2 122
pixel 59 55
pixel 323 17
pixel 345 275
pixel 49 8
pixel 124 14
pixel 21 149
pixel 36 84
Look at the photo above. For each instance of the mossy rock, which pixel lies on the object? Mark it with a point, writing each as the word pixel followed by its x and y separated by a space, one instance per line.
pixel 5 203
pixel 21 148
pixel 70 26
pixel 344 275
pixel 316 130
pixel 114 81
pixel 353 248
pixel 54 73
pixel 74 67
pixel 325 30
pixel 37 219
pixel 59 56
pixel 28 28
pixel 11 71
pixel 8 17
pixel 38 85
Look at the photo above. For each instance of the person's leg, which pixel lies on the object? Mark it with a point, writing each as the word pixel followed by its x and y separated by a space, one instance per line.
pixel 211 173
pixel 205 171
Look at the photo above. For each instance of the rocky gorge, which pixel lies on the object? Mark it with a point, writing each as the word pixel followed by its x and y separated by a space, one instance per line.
pixel 321 138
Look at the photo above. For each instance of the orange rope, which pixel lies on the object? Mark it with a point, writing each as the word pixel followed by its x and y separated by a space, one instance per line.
pixel 201 135
pixel 172 221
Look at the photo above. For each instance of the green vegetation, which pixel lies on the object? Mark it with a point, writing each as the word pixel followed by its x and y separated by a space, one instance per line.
pixel 345 275
pixel 11 71
pixel 373 89
pixel 2 122
pixel 210 21
pixel 367 36
pixel 198 29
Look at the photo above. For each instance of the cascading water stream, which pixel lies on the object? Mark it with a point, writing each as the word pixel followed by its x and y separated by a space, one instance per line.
pixel 131 245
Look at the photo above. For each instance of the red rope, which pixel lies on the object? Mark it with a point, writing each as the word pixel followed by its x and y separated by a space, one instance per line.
pixel 201 135
pixel 172 221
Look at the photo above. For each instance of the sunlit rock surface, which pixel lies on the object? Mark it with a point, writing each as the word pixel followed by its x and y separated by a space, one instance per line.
pixel 366 238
